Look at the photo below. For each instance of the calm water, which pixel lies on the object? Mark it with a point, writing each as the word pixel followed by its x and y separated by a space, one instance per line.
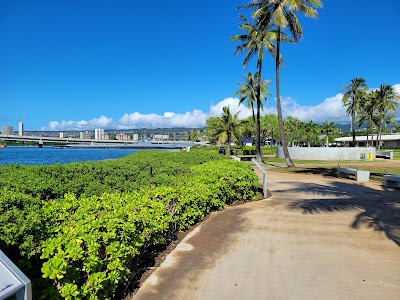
pixel 48 155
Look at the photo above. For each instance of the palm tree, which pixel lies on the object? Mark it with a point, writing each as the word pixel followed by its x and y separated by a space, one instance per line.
pixel 250 90
pixel 281 13
pixel 328 128
pixel 311 133
pixel 366 113
pixel 386 100
pixel 353 94
pixel 255 41
pixel 226 128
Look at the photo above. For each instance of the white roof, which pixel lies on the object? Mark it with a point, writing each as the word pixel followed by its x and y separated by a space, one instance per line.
pixel 363 138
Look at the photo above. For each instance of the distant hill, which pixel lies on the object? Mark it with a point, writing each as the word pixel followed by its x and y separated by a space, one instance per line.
pixel 347 127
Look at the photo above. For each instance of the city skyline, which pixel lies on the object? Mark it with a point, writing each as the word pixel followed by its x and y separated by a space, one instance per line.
pixel 98 64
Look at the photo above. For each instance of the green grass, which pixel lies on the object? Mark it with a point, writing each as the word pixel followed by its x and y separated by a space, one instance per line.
pixel 396 154
pixel 378 168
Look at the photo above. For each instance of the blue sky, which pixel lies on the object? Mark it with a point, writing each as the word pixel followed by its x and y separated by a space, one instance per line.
pixel 74 65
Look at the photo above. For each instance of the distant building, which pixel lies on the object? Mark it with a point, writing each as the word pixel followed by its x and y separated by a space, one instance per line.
pixel 61 135
pixel 20 129
pixel 85 135
pixel 7 130
pixel 106 136
pixel 99 134
pixel 160 137
pixel 388 140
pixel 122 137
pixel 135 137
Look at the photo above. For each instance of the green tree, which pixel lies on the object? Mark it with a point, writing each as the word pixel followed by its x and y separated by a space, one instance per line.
pixel 255 41
pixel 226 128
pixel 281 14
pixel 193 135
pixel 386 101
pixel 327 129
pixel 367 113
pixel 294 129
pixel 269 127
pixel 310 135
pixel 249 90
pixel 353 93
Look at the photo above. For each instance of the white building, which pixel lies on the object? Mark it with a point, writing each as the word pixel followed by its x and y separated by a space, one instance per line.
pixel 20 129
pixel 99 134
pixel 7 130
pixel 160 137
pixel 135 137
pixel 85 135
pixel 388 140
pixel 61 135
pixel 122 137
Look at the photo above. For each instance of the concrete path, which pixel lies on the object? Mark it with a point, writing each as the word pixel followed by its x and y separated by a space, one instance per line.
pixel 315 238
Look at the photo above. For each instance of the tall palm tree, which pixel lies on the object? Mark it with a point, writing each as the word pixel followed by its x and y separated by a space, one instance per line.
pixel 255 41
pixel 328 128
pixel 282 14
pixel 226 128
pixel 353 93
pixel 366 113
pixel 386 101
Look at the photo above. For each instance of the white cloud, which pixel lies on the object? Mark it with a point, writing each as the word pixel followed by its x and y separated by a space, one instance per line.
pixel 101 122
pixel 234 107
pixel 331 109
pixel 193 119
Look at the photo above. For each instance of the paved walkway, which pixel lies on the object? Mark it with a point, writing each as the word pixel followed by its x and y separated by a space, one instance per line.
pixel 315 238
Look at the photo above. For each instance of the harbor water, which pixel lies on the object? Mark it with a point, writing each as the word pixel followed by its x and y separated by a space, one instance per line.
pixel 48 155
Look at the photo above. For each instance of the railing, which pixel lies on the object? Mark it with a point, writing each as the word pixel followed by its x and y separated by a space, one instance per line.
pixel 265 193
pixel 13 281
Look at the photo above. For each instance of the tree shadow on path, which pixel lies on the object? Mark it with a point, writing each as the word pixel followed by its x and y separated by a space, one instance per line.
pixel 380 208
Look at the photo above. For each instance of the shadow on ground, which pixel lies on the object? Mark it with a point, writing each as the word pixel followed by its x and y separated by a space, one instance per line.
pixel 380 208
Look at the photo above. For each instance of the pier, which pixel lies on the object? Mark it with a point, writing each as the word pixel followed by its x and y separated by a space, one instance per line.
pixel 93 143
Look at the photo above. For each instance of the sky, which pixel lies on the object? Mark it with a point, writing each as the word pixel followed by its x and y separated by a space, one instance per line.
pixel 83 64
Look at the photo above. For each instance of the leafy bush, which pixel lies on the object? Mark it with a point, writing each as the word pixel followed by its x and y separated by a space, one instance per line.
pixel 85 224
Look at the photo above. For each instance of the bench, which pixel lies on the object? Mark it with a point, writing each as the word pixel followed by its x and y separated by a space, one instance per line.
pixel 384 154
pixel 391 181
pixel 360 175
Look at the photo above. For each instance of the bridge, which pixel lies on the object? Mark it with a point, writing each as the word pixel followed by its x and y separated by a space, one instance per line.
pixel 93 143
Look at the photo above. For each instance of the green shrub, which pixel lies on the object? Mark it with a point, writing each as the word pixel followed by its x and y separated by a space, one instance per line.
pixel 84 224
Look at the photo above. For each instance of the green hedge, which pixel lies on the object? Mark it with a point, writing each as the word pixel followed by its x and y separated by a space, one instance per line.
pixel 77 229
pixel 251 150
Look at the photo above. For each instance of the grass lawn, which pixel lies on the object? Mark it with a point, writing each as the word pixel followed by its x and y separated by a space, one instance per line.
pixel 396 153
pixel 377 167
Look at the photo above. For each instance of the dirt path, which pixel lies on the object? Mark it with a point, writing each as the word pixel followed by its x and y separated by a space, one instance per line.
pixel 316 237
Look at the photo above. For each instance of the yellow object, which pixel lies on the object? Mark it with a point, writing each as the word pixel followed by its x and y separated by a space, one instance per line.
pixel 370 155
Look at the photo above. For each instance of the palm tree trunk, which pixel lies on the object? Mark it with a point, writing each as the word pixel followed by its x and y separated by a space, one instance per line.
pixel 228 147
pixel 353 116
pixel 258 146
pixel 379 137
pixel 289 162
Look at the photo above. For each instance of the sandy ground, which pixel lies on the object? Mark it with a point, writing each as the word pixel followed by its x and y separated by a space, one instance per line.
pixel 315 238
